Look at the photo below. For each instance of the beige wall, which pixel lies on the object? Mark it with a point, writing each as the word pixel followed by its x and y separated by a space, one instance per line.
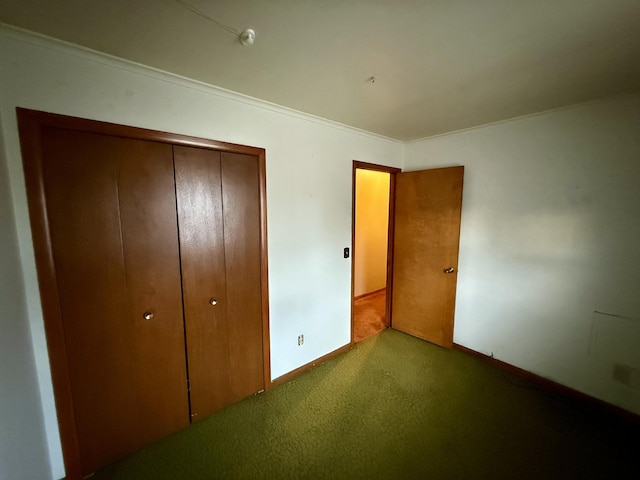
pixel 372 219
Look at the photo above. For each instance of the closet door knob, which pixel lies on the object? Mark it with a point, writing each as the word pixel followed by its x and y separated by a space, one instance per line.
pixel 449 270
pixel 213 302
pixel 147 315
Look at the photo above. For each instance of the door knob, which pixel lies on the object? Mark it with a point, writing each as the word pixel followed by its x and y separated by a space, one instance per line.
pixel 213 302
pixel 147 315
pixel 449 270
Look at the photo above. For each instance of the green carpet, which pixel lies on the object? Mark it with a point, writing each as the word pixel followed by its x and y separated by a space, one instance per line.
pixel 395 408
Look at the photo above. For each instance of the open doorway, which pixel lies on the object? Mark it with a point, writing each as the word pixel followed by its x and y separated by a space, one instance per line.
pixel 372 246
pixel 424 214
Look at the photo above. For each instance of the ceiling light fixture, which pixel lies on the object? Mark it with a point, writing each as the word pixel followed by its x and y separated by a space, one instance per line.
pixel 246 37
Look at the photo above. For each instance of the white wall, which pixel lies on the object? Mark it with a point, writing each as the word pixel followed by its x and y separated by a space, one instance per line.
pixel 371 231
pixel 309 168
pixel 550 235
pixel 23 451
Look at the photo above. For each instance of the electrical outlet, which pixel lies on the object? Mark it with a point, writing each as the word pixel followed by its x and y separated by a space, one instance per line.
pixel 300 339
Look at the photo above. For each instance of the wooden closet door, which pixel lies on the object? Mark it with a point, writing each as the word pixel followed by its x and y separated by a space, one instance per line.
pixel 111 209
pixel 199 200
pixel 241 216
pixel 219 224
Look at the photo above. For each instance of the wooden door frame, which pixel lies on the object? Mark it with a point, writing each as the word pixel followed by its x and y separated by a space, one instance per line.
pixel 392 171
pixel 31 124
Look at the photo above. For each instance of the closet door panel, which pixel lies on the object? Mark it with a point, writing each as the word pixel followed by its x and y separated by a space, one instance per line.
pixel 241 215
pixel 199 201
pixel 111 211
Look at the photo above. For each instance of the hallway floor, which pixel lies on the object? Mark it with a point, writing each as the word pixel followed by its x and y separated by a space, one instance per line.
pixel 369 315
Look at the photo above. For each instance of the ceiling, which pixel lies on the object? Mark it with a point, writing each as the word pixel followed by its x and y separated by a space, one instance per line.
pixel 439 65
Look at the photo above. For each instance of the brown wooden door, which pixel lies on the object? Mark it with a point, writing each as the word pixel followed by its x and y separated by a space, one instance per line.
pixel 110 204
pixel 241 200
pixel 219 223
pixel 425 258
